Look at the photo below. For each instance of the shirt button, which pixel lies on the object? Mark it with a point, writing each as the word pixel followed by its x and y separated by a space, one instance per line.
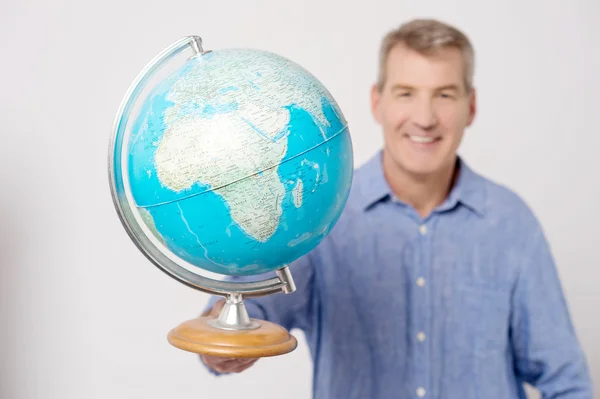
pixel 423 229
pixel 421 336
pixel 421 392
pixel 421 282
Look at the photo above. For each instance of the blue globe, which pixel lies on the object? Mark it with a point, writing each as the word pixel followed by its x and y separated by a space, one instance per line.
pixel 239 162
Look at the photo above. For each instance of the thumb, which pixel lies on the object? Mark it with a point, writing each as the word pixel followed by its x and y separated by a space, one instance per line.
pixel 216 309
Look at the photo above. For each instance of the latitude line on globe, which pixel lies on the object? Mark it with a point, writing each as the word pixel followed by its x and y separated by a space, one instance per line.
pixel 345 127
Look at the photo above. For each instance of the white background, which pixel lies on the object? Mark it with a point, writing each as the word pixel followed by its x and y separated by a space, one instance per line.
pixel 84 315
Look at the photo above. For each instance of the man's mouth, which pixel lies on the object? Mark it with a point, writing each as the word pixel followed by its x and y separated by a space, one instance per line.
pixel 423 139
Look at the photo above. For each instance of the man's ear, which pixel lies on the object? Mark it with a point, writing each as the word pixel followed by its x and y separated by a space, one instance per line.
pixel 472 106
pixel 375 103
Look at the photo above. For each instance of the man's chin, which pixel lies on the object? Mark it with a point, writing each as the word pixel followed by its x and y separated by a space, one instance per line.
pixel 417 165
pixel 423 170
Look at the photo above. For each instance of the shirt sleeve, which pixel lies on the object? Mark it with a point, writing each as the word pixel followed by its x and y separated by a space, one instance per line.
pixel 546 349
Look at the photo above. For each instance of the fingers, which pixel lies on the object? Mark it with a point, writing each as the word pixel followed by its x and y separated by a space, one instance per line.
pixel 216 309
pixel 232 367
pixel 238 365
pixel 228 365
pixel 243 367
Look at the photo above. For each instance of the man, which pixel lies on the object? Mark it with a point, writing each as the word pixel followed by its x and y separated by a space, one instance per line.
pixel 436 282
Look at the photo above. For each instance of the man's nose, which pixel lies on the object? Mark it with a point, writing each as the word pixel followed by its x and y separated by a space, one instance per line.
pixel 423 114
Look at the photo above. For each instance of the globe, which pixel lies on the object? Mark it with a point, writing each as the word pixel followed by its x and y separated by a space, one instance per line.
pixel 238 162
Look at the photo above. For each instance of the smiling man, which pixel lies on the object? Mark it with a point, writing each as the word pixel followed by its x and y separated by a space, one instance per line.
pixel 424 100
pixel 436 282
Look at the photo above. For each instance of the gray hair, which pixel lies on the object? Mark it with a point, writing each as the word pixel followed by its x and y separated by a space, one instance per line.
pixel 426 36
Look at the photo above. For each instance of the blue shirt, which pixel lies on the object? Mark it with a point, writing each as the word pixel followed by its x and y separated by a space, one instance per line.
pixel 465 303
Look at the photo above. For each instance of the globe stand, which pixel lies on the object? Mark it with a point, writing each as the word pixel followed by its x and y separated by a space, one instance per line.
pixel 233 333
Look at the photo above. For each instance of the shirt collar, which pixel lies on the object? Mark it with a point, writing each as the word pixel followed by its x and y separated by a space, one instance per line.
pixel 468 190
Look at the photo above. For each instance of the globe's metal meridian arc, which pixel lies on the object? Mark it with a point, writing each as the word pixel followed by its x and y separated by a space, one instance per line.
pixel 136 228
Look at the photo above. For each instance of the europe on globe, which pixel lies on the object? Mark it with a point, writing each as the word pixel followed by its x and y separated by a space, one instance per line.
pixel 239 162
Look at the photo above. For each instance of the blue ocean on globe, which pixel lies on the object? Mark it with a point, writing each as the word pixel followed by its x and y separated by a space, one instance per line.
pixel 239 162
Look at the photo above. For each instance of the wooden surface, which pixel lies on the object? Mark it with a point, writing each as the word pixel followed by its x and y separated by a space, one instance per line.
pixel 198 336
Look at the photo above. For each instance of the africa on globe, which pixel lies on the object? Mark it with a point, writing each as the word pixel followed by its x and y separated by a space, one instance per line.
pixel 239 162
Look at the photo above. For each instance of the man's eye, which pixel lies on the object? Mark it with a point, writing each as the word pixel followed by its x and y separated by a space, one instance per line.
pixel 446 95
pixel 403 94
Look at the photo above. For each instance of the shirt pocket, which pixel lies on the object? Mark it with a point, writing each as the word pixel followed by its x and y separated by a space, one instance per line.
pixel 481 318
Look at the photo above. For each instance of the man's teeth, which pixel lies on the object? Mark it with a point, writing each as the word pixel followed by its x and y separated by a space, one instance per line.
pixel 421 139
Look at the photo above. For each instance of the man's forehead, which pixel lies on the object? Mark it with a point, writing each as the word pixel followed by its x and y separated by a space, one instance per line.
pixel 440 68
pixel 401 51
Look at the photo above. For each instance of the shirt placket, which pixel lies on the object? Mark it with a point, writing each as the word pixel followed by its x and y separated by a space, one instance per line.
pixel 421 321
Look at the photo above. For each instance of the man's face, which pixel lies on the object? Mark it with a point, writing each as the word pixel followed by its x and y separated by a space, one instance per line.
pixel 423 108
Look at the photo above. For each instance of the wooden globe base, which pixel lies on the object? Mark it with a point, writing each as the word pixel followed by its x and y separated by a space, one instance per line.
pixel 198 336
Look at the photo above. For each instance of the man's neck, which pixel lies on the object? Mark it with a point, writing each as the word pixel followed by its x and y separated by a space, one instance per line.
pixel 423 193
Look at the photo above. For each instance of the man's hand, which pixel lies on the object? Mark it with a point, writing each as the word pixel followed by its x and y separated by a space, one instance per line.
pixel 225 364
